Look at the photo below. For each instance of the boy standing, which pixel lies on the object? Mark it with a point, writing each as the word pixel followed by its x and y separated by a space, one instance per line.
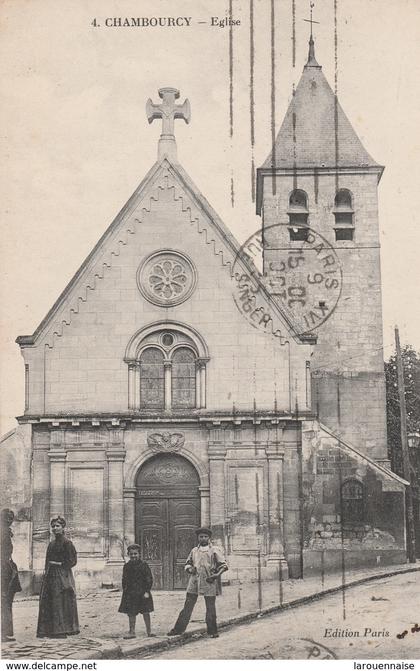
pixel 205 565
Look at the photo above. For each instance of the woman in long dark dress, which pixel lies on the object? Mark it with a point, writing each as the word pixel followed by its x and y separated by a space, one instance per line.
pixel 137 582
pixel 57 601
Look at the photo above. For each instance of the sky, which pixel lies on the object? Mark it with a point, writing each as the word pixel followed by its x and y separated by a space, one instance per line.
pixel 77 142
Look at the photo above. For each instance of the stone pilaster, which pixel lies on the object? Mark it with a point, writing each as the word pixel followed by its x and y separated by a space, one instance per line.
pixel 197 385
pixel 276 556
pixel 217 454
pixel 205 506
pixel 131 386
pixel 40 507
pixel 201 400
pixel 115 457
pixel 137 386
pixel 57 456
pixel 129 494
pixel 167 365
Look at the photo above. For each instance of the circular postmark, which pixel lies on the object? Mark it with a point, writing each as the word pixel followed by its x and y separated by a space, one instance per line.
pixel 303 279
pixel 316 650
pixel 295 648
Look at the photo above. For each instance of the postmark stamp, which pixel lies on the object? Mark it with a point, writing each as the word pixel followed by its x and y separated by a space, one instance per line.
pixel 316 650
pixel 298 648
pixel 304 280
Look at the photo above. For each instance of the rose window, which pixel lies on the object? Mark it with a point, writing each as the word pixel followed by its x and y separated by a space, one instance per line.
pixel 166 278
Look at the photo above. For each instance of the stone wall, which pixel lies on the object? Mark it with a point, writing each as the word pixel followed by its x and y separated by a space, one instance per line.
pixel 353 509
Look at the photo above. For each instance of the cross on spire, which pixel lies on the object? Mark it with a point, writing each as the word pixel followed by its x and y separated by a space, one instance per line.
pixel 311 55
pixel 168 111
pixel 311 21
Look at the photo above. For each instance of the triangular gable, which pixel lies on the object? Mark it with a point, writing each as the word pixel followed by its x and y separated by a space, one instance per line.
pixel 225 245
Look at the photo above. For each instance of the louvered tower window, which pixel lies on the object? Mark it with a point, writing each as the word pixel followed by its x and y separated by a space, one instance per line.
pixel 298 215
pixel 343 213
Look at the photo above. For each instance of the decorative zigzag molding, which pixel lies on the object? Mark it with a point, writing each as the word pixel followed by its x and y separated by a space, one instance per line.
pixel 201 230
pixel 169 184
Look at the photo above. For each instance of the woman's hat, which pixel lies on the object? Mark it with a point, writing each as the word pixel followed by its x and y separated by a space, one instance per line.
pixel 203 530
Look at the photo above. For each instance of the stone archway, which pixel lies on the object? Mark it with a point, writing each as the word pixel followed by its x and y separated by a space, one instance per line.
pixel 167 514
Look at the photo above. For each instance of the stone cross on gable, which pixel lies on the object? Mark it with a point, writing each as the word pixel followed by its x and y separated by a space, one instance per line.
pixel 168 111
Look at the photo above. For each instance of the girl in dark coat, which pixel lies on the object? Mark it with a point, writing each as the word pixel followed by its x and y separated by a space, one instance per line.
pixel 137 581
pixel 57 600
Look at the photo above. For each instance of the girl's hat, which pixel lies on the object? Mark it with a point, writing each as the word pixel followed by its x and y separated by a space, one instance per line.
pixel 203 530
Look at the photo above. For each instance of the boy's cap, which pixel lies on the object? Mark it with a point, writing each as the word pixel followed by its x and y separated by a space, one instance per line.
pixel 134 546
pixel 203 530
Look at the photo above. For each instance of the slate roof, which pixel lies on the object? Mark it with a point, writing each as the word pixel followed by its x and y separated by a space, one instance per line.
pixel 315 131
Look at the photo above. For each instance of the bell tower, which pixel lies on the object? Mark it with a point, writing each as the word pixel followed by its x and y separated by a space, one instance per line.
pixel 317 196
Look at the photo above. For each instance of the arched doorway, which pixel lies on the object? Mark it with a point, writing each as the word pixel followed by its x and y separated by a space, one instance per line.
pixel 167 514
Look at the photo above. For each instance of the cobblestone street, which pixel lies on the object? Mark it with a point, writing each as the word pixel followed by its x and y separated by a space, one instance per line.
pixel 103 628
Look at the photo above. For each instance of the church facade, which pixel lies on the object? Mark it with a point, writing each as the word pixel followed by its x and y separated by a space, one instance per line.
pixel 172 385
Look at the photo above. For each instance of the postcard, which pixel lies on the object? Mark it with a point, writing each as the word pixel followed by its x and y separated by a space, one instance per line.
pixel 209 254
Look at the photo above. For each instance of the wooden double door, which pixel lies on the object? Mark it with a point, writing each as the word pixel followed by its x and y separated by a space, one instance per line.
pixel 167 515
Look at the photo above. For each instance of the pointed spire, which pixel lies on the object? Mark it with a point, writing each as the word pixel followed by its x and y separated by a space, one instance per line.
pixel 314 125
pixel 312 62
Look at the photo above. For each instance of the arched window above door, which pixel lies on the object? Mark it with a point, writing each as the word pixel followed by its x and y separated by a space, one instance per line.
pixel 152 378
pixel 183 378
pixel 166 368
